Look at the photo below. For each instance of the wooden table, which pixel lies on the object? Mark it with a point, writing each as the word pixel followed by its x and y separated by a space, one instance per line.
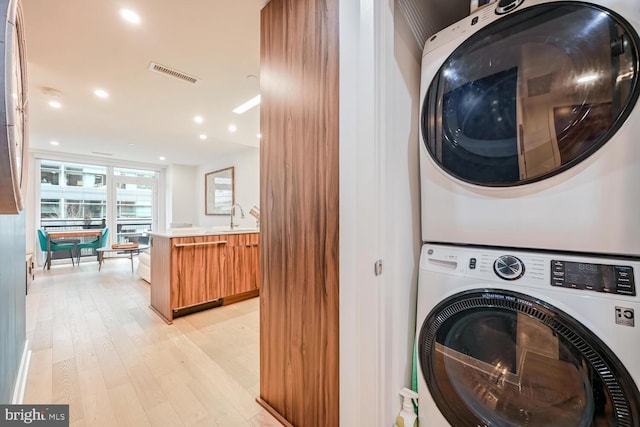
pixel 69 233
pixel 130 251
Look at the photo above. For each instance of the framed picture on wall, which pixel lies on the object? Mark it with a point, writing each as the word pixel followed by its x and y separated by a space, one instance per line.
pixel 218 192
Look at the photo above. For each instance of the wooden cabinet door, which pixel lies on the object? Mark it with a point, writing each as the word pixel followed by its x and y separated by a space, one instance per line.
pixel 200 269
pixel 244 263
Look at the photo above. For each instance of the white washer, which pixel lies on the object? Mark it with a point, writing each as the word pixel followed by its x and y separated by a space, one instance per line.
pixel 519 338
pixel 529 130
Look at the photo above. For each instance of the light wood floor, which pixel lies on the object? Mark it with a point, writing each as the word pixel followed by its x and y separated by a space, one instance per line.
pixel 97 346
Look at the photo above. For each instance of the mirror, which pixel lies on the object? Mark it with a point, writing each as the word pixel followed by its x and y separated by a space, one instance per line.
pixel 218 192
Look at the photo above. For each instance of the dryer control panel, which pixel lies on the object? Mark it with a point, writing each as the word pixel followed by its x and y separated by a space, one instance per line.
pixel 616 279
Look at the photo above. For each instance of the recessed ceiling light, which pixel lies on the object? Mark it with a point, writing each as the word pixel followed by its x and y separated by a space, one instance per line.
pixel 101 93
pixel 54 143
pixel 198 119
pixel 203 136
pixel 55 104
pixel 162 158
pixel 259 135
pixel 247 105
pixel 131 144
pixel 232 128
pixel 130 16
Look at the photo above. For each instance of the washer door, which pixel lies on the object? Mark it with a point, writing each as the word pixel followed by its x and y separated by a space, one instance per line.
pixel 531 94
pixel 501 358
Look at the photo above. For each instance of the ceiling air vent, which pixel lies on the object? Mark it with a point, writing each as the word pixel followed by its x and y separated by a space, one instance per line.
pixel 157 68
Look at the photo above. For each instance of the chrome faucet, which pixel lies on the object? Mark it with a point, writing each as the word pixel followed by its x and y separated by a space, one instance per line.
pixel 231 224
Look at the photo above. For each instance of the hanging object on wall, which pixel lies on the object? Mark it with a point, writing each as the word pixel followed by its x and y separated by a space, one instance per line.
pixel 14 146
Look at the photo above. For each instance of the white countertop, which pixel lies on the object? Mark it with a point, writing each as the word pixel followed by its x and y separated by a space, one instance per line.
pixel 201 231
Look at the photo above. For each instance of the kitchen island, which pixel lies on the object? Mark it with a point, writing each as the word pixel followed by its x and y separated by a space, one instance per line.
pixel 195 269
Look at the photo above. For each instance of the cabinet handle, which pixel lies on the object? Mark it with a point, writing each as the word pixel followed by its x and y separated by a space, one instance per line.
pixel 183 245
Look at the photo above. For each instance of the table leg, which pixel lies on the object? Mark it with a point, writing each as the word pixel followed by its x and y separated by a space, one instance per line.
pixel 48 262
pixel 131 258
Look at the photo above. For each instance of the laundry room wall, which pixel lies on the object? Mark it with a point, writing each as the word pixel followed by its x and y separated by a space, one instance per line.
pixel 379 209
pixel 380 201
pixel 402 242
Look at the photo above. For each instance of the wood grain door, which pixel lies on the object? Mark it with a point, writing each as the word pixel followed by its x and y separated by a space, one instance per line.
pixel 244 263
pixel 200 270
pixel 299 199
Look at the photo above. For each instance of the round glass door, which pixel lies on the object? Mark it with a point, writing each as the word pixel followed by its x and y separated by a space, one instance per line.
pixel 532 94
pixel 501 358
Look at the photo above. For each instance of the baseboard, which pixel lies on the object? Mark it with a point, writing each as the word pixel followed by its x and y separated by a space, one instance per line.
pixel 21 380
pixel 273 412
pixel 240 297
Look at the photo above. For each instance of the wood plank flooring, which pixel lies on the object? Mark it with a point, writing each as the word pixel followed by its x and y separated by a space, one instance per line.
pixel 97 346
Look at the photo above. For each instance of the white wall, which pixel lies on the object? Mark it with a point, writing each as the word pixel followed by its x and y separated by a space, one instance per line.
pixel 402 237
pixel 246 183
pixel 182 203
pixel 360 221
pixel 379 209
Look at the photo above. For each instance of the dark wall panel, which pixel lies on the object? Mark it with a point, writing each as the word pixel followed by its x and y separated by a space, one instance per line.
pixel 299 376
pixel 12 300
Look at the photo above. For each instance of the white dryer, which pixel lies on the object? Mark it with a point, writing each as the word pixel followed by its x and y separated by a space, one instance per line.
pixel 519 338
pixel 530 134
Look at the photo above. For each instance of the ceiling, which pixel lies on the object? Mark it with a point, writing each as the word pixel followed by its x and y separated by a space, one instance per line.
pixel 77 46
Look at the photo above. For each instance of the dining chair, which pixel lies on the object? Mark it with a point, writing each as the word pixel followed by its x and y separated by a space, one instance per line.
pixel 98 242
pixel 42 238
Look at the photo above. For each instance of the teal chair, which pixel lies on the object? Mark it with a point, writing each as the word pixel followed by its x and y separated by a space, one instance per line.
pixel 42 238
pixel 94 244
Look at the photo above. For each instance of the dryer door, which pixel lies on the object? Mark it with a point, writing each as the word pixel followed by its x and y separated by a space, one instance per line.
pixel 501 358
pixel 531 94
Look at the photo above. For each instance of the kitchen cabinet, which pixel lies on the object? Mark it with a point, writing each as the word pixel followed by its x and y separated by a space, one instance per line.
pixel 204 270
pixel 244 263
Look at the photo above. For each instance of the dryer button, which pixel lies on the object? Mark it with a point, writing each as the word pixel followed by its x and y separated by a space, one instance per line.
pixel 472 263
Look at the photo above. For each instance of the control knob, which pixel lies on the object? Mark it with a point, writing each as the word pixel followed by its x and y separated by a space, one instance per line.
pixel 506 6
pixel 508 267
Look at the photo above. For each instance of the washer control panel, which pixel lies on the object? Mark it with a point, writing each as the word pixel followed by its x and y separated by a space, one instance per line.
pixel 616 279
pixel 512 267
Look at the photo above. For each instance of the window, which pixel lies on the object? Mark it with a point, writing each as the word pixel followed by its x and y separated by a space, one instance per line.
pixel 75 196
pixel 50 174
pixel 50 208
pixel 82 196
pixel 134 202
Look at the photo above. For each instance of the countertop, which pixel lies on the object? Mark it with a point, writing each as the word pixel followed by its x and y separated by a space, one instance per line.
pixel 201 231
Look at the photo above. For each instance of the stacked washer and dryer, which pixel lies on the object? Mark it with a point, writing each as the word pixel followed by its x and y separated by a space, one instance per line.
pixel 530 167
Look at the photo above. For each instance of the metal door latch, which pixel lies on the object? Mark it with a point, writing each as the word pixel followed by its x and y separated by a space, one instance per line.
pixel 378 267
